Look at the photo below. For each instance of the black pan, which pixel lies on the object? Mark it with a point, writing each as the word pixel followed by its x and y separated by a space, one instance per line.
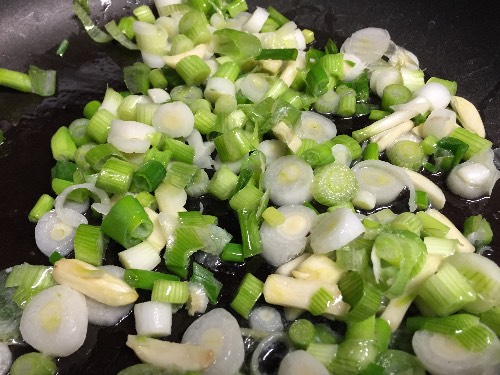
pixel 457 40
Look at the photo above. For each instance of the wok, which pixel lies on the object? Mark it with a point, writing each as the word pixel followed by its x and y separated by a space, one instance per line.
pixel 456 40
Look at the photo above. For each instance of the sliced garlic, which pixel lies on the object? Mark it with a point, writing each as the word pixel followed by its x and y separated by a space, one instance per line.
pixel 93 282
pixel 468 115
pixel 434 193
pixel 170 355
pixel 199 50
pixel 463 245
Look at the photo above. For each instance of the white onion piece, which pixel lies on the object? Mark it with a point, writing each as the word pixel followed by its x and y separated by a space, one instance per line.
pixel 419 104
pixel 384 180
pixel 170 198
pixel 72 217
pixel 80 207
pixel 158 95
pixel 334 230
pixel 130 136
pixel 256 20
pixel 272 149
pixel 174 119
pixel 315 126
pixel 301 40
pixel 202 150
pixel 254 86
pixel 234 166
pixel 402 58
pixel 292 68
pixel 153 61
pixel 369 44
pixel 437 95
pixel 55 321
pixel 289 180
pixel 301 362
pixel 51 234
pixel 474 178
pixel 287 268
pixel 440 123
pixel 382 77
pixel 388 137
pixel 153 318
pixel 198 299
pixel 168 224
pixel 217 86
pixel 219 331
pixel 5 358
pixel 352 72
pixel 265 318
pixel 342 154
pixel 442 355
pixel 286 241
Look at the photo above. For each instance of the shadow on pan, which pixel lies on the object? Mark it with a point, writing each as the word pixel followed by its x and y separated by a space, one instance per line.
pixel 455 40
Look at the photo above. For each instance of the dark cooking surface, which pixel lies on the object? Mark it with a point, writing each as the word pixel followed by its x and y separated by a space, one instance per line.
pixel 457 40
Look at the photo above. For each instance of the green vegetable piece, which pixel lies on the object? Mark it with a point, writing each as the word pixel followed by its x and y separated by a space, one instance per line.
pixel 34 364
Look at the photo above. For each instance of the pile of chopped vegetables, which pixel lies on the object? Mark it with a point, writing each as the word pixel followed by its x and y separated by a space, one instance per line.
pixel 238 106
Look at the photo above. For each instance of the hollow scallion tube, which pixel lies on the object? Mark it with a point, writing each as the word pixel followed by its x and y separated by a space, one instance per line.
pixel 334 184
pixel 62 145
pixel 247 198
pixel 406 154
pixel 194 25
pixel 15 80
pixel 127 223
pixel 235 7
pixel 99 124
pixel 333 64
pixel 247 295
pixel 347 102
pixel 363 296
pixel 91 108
pixel 395 94
pixel 43 82
pixel 181 174
pixel 148 176
pixel 223 183
pixel 97 156
pixel 90 244
pixel 180 151
pixel 229 70
pixel 115 176
pixel 144 13
pixel 157 79
pixel 233 145
pixel 476 143
pixel 301 332
pixel 193 69
pixel 444 293
pixel 43 205
pixel 478 231
pixel 233 252
pixel 317 80
pixel 318 155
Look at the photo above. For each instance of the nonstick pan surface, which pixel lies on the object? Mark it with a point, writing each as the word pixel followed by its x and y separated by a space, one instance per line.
pixel 456 40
